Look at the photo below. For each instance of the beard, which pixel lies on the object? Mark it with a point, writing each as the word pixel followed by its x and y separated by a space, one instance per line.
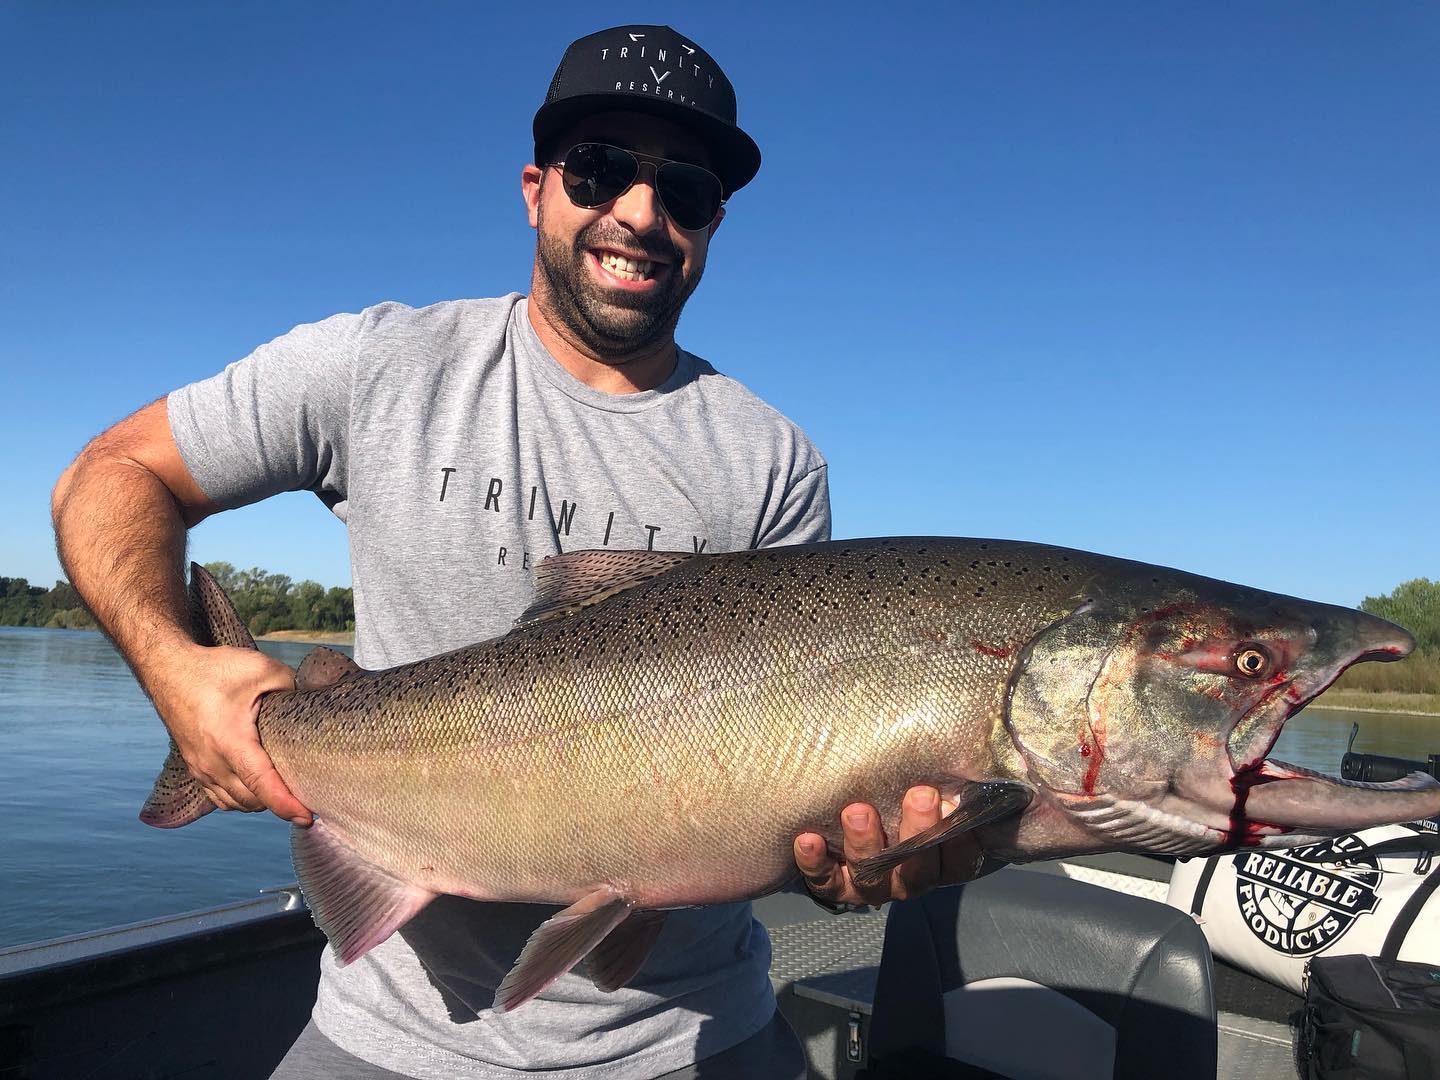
pixel 612 324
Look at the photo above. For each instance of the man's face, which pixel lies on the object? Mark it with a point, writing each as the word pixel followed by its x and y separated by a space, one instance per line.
pixel 613 311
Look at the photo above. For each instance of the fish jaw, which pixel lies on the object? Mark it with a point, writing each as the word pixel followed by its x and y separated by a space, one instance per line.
pixel 1290 796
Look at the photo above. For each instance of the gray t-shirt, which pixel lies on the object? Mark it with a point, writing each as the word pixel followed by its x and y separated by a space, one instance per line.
pixel 459 454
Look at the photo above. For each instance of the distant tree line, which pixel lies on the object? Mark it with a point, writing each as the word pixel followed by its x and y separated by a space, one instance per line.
pixel 269 601
pixel 23 604
pixel 264 600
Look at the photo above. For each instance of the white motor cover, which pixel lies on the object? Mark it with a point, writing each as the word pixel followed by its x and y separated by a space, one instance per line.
pixel 1269 912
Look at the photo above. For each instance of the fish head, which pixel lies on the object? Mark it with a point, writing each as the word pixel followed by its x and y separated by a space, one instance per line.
pixel 1146 714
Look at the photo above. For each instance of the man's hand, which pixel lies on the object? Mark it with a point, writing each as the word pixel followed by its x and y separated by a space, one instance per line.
pixel 949 863
pixel 209 700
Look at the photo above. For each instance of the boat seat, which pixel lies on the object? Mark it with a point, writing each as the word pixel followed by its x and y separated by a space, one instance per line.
pixel 1032 975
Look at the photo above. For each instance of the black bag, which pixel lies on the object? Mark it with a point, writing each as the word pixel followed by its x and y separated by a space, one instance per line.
pixel 1371 1019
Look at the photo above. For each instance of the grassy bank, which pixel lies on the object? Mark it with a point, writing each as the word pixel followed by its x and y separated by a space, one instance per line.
pixel 1410 685
pixel 1372 701
pixel 313 637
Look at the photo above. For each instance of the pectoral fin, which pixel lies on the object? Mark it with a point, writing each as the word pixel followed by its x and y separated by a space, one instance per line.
pixel 356 903
pixel 617 959
pixel 559 943
pixel 977 805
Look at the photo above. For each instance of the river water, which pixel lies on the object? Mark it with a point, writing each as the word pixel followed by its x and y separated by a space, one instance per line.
pixel 80 747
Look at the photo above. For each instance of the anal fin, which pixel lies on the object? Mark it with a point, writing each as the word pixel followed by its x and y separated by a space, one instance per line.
pixel 559 943
pixel 621 955
pixel 356 903
pixel 977 804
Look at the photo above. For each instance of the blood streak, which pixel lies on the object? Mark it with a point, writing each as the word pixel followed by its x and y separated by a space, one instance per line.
pixel 989 650
pixel 1096 756
pixel 1243 832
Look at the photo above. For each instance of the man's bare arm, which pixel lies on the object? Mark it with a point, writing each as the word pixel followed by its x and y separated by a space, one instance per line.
pixel 121 511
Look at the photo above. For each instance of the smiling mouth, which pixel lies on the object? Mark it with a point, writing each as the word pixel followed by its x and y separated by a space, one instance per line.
pixel 626 267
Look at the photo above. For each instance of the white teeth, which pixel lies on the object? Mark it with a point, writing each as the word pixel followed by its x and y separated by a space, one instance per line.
pixel 629 269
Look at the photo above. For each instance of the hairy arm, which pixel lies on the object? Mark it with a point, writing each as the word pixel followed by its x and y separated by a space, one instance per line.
pixel 121 511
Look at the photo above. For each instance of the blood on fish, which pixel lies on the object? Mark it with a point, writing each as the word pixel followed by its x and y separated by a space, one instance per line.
pixel 989 650
pixel 1096 756
pixel 1244 832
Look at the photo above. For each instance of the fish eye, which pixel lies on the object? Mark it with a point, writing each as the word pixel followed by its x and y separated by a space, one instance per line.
pixel 1251 660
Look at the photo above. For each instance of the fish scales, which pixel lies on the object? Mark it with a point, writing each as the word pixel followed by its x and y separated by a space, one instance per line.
pixel 660 726
pixel 647 714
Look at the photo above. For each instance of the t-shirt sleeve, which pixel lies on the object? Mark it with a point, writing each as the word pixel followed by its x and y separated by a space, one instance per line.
pixel 803 516
pixel 278 420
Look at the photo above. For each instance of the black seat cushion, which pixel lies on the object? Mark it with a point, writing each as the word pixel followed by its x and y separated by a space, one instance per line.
pixel 1142 967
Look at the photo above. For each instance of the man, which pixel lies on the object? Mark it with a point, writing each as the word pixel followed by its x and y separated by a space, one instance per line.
pixel 461 443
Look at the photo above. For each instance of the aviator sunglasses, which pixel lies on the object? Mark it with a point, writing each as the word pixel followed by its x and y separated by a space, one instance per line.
pixel 596 173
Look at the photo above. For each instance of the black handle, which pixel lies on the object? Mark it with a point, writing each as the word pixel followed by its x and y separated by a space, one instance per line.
pixel 1377 768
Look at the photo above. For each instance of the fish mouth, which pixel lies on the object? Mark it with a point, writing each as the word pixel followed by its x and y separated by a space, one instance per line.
pixel 1274 797
pixel 1255 732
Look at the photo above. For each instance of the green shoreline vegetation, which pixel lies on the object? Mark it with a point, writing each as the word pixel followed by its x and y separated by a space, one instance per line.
pixel 272 605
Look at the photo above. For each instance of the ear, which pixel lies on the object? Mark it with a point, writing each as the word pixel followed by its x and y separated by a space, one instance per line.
pixel 530 177
pixel 714 225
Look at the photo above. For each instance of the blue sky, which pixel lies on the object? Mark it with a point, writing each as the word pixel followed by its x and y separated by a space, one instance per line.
pixel 1157 280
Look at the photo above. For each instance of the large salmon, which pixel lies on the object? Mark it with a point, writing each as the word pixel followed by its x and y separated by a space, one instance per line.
pixel 659 726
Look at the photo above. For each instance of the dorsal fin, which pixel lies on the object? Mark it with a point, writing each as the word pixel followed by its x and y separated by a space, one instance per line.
pixel 324 667
pixel 566 583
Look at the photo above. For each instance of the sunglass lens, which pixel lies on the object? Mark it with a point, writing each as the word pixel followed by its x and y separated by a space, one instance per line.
pixel 596 173
pixel 691 194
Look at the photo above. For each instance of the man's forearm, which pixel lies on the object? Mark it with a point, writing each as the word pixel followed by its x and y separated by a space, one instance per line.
pixel 120 535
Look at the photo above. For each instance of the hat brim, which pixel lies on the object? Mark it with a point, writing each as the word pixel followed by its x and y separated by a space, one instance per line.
pixel 735 157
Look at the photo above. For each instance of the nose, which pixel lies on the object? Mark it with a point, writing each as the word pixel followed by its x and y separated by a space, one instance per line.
pixel 639 207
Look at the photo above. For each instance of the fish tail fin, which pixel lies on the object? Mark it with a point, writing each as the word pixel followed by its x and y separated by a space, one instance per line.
pixel 216 620
pixel 177 799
